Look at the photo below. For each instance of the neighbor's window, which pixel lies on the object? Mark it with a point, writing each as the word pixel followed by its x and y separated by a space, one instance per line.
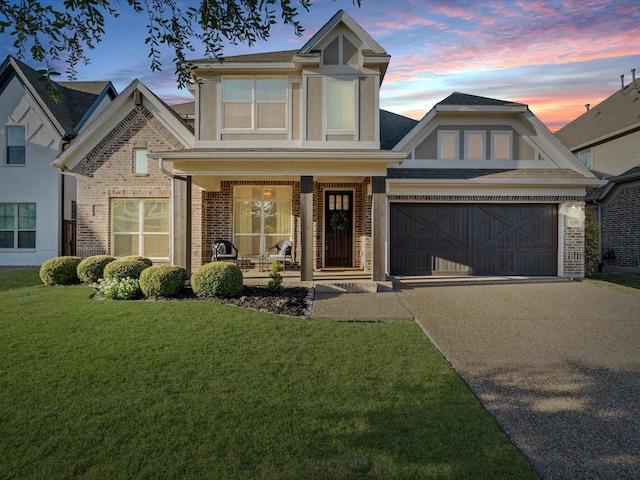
pixel 141 163
pixel 474 145
pixel 254 103
pixel 448 145
pixel 17 225
pixel 341 104
pixel 501 145
pixel 261 218
pixel 15 145
pixel 140 227
pixel 585 157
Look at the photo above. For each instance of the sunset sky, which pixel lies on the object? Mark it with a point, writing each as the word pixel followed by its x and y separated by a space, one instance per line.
pixel 555 56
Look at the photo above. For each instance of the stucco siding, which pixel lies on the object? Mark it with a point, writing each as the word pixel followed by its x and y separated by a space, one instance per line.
pixel 314 109
pixel 367 109
pixel 207 118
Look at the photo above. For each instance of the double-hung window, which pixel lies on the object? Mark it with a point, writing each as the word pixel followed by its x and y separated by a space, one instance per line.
pixel 261 218
pixel 474 148
pixel 585 157
pixel 16 142
pixel 140 226
pixel 448 145
pixel 17 225
pixel 501 145
pixel 341 104
pixel 254 103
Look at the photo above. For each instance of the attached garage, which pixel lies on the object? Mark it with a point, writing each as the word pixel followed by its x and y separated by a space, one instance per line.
pixel 473 239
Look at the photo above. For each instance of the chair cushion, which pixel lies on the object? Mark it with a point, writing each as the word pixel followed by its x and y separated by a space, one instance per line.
pixel 220 249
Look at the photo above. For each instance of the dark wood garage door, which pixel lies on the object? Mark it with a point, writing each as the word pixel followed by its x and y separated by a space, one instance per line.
pixel 437 239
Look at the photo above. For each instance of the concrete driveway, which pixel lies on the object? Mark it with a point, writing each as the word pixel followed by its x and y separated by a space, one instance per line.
pixel 557 364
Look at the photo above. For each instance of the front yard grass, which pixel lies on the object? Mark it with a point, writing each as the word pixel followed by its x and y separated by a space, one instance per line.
pixel 613 280
pixel 185 389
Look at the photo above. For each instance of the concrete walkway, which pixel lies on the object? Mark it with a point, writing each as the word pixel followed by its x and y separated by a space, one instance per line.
pixel 557 363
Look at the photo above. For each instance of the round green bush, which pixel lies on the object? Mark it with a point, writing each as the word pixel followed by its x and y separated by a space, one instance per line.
pixel 162 280
pixel 217 279
pixel 124 268
pixel 60 271
pixel 140 258
pixel 91 269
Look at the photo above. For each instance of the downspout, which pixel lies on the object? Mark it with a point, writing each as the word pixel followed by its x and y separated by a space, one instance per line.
pixel 66 140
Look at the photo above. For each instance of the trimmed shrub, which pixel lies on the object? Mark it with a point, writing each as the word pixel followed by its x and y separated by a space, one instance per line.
pixel 91 269
pixel 60 271
pixel 124 268
pixel 275 284
pixel 162 280
pixel 217 279
pixel 140 258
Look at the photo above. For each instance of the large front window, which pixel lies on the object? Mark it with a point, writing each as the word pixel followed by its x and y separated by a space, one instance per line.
pixel 17 225
pixel 254 103
pixel 262 217
pixel 140 227
pixel 340 104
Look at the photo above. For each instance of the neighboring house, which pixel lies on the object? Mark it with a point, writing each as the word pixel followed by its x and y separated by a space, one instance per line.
pixel 293 146
pixel 607 139
pixel 37 203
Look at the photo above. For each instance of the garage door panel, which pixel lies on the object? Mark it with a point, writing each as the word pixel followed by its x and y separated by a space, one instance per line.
pixel 476 239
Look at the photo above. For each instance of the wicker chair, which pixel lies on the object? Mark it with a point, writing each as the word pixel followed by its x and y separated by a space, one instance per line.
pixel 281 250
pixel 224 250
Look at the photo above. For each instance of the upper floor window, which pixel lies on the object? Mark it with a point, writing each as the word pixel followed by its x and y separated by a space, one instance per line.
pixel 341 104
pixel 501 145
pixel 253 103
pixel 585 157
pixel 474 145
pixel 16 142
pixel 141 163
pixel 448 145
pixel 17 225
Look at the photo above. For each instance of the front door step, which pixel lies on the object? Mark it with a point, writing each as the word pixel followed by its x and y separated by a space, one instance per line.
pixel 361 286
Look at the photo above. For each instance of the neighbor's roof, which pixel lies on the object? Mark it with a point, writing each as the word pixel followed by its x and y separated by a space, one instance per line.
pixel 393 128
pixel 187 108
pixel 76 100
pixel 601 192
pixel 616 114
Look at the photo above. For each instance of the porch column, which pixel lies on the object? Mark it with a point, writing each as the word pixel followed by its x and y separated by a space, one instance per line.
pixel 378 227
pixel 306 228
pixel 181 234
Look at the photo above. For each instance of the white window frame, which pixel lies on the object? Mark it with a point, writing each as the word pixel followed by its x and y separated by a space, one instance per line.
pixel 140 232
pixel 456 134
pixel 7 128
pixel 493 143
pixel 467 134
pixel 356 93
pixel 16 228
pixel 254 102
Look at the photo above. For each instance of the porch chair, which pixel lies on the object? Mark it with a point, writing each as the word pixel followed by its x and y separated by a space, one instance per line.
pixel 224 250
pixel 282 250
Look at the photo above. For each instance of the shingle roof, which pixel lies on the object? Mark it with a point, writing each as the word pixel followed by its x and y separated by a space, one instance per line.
pixel 489 174
pixel 617 112
pixel 393 128
pixel 188 108
pixel 458 98
pixel 76 98
pixel 266 57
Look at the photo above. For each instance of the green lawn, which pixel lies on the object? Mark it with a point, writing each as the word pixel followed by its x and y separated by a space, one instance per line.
pixel 193 390
pixel 623 282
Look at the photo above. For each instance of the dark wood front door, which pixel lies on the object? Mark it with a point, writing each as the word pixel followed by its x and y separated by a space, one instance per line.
pixel 338 223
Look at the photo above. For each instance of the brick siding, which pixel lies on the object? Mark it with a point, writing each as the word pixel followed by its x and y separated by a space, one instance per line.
pixel 573 236
pixel 621 227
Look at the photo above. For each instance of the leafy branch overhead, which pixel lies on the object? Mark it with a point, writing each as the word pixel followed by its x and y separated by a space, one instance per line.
pixel 67 34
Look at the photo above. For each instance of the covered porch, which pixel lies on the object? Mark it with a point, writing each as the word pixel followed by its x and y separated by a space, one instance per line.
pixel 331 205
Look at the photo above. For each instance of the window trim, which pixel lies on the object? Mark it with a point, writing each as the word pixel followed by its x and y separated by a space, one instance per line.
pixel 493 143
pixel 456 134
pixel 8 146
pixel 140 233
pixel 16 230
pixel 254 102
pixel 467 134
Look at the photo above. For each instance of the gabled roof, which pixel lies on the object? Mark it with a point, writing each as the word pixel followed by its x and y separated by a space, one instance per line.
pixel 612 117
pixel 344 17
pixel 111 116
pixel 601 192
pixel 76 102
pixel 458 98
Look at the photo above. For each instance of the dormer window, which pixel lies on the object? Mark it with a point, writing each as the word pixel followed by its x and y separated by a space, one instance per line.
pixel 341 104
pixel 254 103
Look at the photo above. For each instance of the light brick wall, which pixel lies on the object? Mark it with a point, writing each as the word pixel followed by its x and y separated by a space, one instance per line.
pixel 621 227
pixel 108 172
pixel 573 239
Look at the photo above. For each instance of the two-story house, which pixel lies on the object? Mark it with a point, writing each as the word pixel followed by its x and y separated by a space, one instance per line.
pixel 606 138
pixel 293 146
pixel 37 203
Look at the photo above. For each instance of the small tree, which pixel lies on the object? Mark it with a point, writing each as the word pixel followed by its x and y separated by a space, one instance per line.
pixel 591 242
pixel 275 284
